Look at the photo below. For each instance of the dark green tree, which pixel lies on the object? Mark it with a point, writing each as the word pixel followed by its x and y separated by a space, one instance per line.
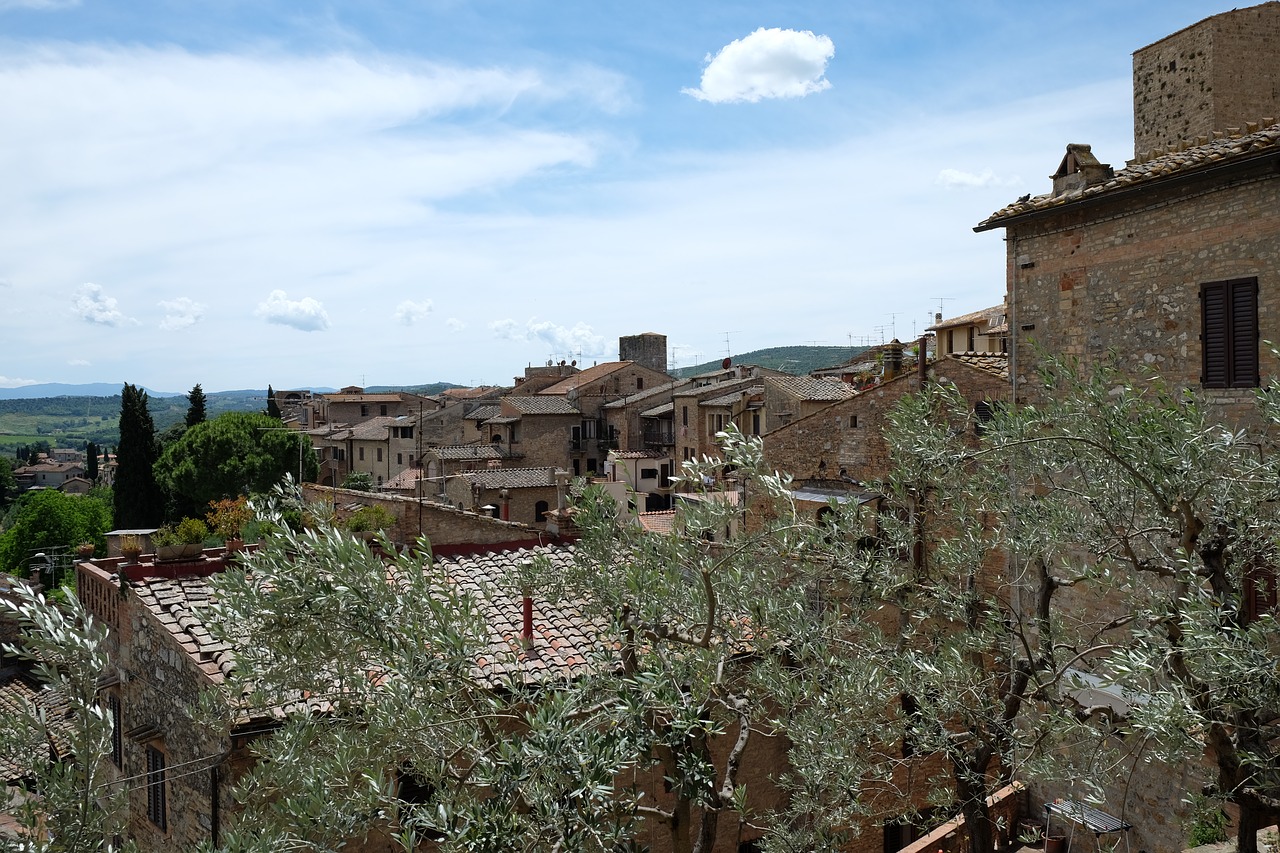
pixel 139 502
pixel 49 519
pixel 273 411
pixel 91 462
pixel 195 412
pixel 233 453
pixel 8 483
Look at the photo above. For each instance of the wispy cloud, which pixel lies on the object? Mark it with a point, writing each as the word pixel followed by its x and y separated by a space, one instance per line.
pixel 409 312
pixel 79 362
pixel 769 63
pixel 305 314
pixel 956 179
pixel 180 313
pixel 454 324
pixel 579 341
pixel 15 382
pixel 94 306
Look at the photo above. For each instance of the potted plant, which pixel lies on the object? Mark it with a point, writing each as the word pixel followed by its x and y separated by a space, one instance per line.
pixel 85 550
pixel 130 547
pixel 183 541
pixel 227 518
pixel 366 522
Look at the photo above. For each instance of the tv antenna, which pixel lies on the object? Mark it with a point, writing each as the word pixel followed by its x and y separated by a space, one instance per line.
pixel 942 299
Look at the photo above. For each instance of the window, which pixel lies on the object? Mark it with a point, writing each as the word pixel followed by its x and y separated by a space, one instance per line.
pixel 540 511
pixel 1229 333
pixel 379 454
pixel 684 416
pixel 853 421
pixel 639 383
pixel 755 423
pixel 117 742
pixel 648 473
pixel 972 348
pixel 156 811
pixel 382 410
pixel 399 458
pixel 362 454
pixel 364 410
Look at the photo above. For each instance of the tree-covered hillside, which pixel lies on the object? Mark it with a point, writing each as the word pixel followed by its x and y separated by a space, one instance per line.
pixel 799 360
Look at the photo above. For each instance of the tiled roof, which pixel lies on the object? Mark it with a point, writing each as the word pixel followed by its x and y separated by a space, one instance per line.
pixel 637 454
pixel 986 318
pixel 18 698
pixel 181 605
pixel 659 411
pixel 586 376
pixel 536 404
pixel 512 478
pixel 995 363
pixel 364 398
pixel 483 413
pixel 406 479
pixel 662 521
pixel 563 636
pixel 1208 154
pixel 465 452
pixel 502 420
pixel 808 388
pixel 375 429
pixel 732 397
pixel 470 393
pixel 647 394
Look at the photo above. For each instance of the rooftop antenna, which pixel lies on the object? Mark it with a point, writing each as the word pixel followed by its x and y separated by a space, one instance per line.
pixel 893 322
pixel 728 352
pixel 942 299
pixel 880 330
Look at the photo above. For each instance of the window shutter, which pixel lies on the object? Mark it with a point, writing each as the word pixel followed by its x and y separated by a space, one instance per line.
pixel 1213 334
pixel 1244 333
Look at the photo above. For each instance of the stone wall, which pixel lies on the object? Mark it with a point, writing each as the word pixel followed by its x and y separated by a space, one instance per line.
pixel 1125 278
pixel 1214 75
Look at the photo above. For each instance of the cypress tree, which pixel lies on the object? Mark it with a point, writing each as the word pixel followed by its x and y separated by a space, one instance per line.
pixel 195 411
pixel 273 411
pixel 139 503
pixel 91 462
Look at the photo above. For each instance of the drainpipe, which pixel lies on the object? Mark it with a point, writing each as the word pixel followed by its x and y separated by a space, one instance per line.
pixel 505 494
pixel 922 360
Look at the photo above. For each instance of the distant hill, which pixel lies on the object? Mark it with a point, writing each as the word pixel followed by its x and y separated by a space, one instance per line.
pixel 799 360
pixel 59 389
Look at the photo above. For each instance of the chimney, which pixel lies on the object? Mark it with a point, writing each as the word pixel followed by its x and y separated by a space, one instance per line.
pixel 1079 170
pixel 922 360
pixel 506 504
pixel 892 359
pixel 937 317
pixel 526 628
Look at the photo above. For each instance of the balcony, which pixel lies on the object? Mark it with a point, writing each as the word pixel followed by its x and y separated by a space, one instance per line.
pixel 664 436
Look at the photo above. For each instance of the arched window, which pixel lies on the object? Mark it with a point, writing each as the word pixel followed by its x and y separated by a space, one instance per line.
pixel 540 511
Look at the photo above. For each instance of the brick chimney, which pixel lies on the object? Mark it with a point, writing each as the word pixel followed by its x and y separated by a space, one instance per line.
pixel 892 359
pixel 1079 170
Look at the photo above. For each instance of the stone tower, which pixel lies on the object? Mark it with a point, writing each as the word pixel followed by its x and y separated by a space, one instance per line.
pixel 1221 73
pixel 647 349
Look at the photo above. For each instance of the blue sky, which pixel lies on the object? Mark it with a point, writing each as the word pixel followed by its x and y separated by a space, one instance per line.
pixel 246 192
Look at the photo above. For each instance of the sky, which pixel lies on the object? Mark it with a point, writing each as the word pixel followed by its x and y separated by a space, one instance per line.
pixel 306 194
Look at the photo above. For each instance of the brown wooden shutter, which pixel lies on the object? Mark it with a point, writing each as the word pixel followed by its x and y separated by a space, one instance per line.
pixel 1229 333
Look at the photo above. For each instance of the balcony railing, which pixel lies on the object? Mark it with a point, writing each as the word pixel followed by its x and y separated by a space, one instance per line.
pixel 659 437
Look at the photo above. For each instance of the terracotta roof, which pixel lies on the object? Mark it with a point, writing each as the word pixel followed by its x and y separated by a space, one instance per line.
pixel 181 605
pixel 987 318
pixel 18 697
pixel 483 413
pixel 809 388
pixel 376 429
pixel 647 394
pixel 662 521
pixel 512 478
pixel 637 454
pixel 464 452
pixel 501 420
pixel 733 396
pixel 364 398
pixel 535 404
pixel 564 638
pixel 995 363
pixel 659 411
pixel 1206 155
pixel 406 479
pixel 470 393
pixel 585 376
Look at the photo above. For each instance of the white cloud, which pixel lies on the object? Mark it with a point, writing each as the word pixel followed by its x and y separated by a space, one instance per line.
pixel 305 315
pixel 956 179
pixel 14 382
pixel 79 362
pixel 409 312
pixel 93 306
pixel 769 63
pixel 578 341
pixel 180 313
pixel 454 324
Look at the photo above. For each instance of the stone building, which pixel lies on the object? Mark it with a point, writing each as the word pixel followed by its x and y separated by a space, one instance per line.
pixel 1171 262
pixel 978 331
pixel 516 494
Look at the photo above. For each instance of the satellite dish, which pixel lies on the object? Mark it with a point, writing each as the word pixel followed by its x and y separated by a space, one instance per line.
pixel 573 363
pixel 724 365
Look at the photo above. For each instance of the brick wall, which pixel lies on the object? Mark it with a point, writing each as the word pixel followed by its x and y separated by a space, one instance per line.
pixel 1126 278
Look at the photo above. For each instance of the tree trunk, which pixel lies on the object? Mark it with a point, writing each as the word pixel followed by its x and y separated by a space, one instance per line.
pixel 977 817
pixel 1251 820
